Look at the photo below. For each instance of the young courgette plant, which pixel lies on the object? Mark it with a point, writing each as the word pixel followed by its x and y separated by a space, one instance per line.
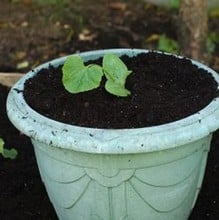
pixel 77 77
pixel 7 153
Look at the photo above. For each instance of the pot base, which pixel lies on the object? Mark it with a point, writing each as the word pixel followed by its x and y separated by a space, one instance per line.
pixel 157 185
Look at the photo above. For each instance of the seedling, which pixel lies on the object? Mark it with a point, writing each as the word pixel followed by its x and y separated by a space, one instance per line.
pixel 77 77
pixel 7 153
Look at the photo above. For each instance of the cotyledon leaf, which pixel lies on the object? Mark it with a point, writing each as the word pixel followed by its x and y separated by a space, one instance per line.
pixel 80 78
pixel 116 73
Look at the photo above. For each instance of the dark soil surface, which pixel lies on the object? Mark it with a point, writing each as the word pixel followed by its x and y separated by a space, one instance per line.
pixel 157 97
pixel 32 33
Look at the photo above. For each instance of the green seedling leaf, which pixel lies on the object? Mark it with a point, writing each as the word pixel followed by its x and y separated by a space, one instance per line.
pixel 116 89
pixel 114 68
pixel 7 153
pixel 80 78
pixel 116 73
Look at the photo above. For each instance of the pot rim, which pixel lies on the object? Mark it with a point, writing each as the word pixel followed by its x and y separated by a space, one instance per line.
pixel 110 141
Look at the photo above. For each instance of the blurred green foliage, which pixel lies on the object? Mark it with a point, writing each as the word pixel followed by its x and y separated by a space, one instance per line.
pixel 175 4
pixel 168 45
pixel 7 153
pixel 212 41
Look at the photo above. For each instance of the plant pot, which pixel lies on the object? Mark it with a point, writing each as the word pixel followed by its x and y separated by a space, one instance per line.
pixel 147 173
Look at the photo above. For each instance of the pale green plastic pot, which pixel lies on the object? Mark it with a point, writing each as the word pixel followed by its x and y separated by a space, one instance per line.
pixel 152 173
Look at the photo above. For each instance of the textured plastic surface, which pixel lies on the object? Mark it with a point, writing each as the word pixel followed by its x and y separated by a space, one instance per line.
pixel 112 174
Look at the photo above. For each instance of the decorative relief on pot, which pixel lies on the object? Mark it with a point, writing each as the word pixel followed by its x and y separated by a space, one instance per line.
pixel 113 193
